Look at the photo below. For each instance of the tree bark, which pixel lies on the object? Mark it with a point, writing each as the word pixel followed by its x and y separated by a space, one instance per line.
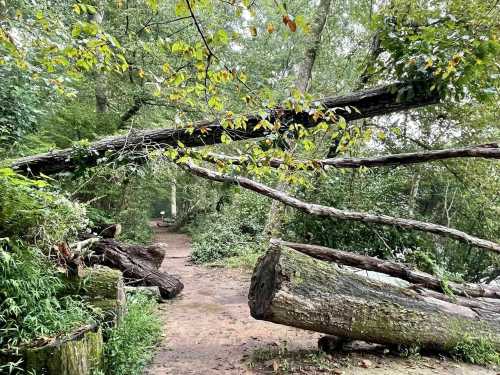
pixel 325 211
pixel 138 264
pixel 394 269
pixel 101 98
pixel 294 289
pixel 374 102
pixel 313 44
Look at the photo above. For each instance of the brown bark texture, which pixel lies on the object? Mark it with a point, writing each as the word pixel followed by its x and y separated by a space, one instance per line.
pixel 394 269
pixel 139 265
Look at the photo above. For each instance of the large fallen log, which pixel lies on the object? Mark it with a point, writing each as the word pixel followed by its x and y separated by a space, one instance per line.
pixel 138 265
pixel 294 289
pixel 363 104
pixel 394 269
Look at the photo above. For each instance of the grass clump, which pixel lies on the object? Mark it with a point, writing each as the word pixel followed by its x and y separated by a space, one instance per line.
pixel 130 344
pixel 245 260
pixel 477 351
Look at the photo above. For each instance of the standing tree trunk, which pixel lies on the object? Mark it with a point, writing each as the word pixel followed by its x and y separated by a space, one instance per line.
pixel 173 200
pixel 101 99
pixel 273 224
pixel 294 289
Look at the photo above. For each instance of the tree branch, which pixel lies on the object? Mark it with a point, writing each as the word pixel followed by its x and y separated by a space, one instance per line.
pixel 391 268
pixel 487 151
pixel 325 211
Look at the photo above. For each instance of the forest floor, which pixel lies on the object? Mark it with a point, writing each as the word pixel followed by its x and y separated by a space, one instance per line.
pixel 209 330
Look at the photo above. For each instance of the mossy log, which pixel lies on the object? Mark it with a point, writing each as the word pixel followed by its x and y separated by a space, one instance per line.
pixel 138 263
pixel 294 289
pixel 101 287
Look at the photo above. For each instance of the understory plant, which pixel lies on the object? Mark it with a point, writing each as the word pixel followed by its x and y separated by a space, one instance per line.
pixel 30 302
pixel 481 352
pixel 233 230
pixel 33 304
pixel 130 344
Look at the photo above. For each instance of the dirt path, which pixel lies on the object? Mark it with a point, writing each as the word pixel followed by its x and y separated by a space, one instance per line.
pixel 208 328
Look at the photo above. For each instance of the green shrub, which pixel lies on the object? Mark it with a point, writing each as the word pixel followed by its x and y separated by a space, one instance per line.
pixel 235 230
pixel 30 305
pixel 32 211
pixel 481 352
pixel 130 345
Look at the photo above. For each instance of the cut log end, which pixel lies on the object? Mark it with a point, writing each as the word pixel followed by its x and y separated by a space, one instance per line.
pixel 265 281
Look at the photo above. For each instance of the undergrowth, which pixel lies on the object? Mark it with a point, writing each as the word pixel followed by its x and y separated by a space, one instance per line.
pixel 232 234
pixel 30 304
pixel 130 345
pixel 33 217
pixel 480 352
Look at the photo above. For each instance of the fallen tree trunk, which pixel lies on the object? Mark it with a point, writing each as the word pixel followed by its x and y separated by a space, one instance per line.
pixel 364 104
pixel 394 269
pixel 138 264
pixel 294 289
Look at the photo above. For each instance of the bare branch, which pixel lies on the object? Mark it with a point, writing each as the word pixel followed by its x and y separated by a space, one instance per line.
pixel 487 151
pixel 394 269
pixel 325 211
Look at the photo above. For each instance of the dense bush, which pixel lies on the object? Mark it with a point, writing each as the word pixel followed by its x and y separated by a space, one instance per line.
pixel 234 230
pixel 32 211
pixel 30 302
pixel 33 217
pixel 130 345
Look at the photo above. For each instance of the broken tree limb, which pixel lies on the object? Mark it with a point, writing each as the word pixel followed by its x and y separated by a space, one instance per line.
pixel 486 151
pixel 137 266
pixel 325 211
pixel 374 102
pixel 294 289
pixel 394 269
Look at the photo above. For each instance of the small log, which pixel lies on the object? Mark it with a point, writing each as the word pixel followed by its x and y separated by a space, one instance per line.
pixel 137 263
pixel 394 269
pixel 107 230
pixel 294 289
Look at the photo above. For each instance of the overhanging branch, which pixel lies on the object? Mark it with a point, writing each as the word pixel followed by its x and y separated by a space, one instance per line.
pixel 325 211
pixel 487 151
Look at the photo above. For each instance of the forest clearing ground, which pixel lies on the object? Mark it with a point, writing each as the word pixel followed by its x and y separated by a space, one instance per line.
pixel 209 330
